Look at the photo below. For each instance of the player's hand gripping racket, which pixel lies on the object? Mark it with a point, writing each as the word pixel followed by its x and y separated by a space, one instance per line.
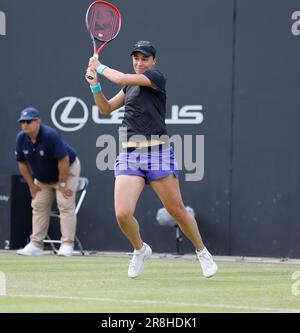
pixel 103 21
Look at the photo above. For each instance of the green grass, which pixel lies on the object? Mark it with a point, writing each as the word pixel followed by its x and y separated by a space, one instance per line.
pixel 100 284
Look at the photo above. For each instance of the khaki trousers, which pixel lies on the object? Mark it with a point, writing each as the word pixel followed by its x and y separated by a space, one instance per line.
pixel 41 207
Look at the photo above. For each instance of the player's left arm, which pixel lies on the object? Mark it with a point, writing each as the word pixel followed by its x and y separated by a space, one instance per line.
pixel 121 78
pixel 127 79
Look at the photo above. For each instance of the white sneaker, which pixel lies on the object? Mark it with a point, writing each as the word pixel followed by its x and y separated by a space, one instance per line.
pixel 136 265
pixel 209 267
pixel 30 250
pixel 65 250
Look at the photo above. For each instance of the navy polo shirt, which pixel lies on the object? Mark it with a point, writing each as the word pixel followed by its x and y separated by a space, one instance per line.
pixel 43 155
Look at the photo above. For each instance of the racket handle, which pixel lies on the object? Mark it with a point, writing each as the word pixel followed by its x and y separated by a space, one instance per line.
pixel 96 55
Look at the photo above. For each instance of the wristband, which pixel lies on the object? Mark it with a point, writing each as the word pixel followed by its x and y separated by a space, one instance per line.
pixel 100 69
pixel 96 89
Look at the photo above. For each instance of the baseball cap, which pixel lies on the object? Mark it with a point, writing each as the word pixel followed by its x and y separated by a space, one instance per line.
pixel 29 114
pixel 145 47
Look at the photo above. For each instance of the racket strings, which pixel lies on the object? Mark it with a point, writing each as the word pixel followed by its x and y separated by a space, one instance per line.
pixel 103 23
pixel 92 22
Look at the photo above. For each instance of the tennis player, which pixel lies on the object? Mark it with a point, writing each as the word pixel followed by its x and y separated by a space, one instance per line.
pixel 146 157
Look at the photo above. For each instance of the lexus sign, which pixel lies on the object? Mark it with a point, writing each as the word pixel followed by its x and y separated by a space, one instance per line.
pixel 62 111
pixel 70 114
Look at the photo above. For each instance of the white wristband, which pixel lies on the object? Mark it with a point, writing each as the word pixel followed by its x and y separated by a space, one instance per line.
pixel 101 68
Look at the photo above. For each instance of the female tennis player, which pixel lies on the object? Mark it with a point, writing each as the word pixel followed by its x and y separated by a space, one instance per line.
pixel 146 157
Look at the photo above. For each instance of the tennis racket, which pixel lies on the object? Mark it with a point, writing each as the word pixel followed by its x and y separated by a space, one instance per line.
pixel 103 21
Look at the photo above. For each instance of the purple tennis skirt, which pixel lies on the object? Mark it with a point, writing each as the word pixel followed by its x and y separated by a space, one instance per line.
pixel 150 164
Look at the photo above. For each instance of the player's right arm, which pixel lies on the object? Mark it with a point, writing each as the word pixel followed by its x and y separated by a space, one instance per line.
pixel 105 106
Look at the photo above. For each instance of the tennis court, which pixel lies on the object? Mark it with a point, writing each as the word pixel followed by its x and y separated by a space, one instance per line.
pixel 98 283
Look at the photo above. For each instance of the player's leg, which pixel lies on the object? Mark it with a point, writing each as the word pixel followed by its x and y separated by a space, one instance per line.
pixel 127 192
pixel 128 189
pixel 168 191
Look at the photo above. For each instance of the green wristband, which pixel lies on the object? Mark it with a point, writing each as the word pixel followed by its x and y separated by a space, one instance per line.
pixel 101 68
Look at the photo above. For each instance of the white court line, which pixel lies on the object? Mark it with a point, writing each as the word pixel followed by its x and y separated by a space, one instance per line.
pixel 2 284
pixel 165 303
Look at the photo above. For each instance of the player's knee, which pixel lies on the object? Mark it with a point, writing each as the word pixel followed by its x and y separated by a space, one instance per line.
pixel 123 216
pixel 177 212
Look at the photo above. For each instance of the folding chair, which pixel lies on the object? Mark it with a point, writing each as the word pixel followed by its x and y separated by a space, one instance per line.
pixel 80 194
pixel 165 219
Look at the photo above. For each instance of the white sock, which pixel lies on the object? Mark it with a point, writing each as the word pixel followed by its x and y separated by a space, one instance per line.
pixel 202 251
pixel 140 250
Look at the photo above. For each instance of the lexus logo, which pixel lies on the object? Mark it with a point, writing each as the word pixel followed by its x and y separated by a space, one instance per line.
pixel 63 114
pixel 70 114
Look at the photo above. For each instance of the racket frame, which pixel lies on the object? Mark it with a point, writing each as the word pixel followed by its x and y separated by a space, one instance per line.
pixel 96 49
